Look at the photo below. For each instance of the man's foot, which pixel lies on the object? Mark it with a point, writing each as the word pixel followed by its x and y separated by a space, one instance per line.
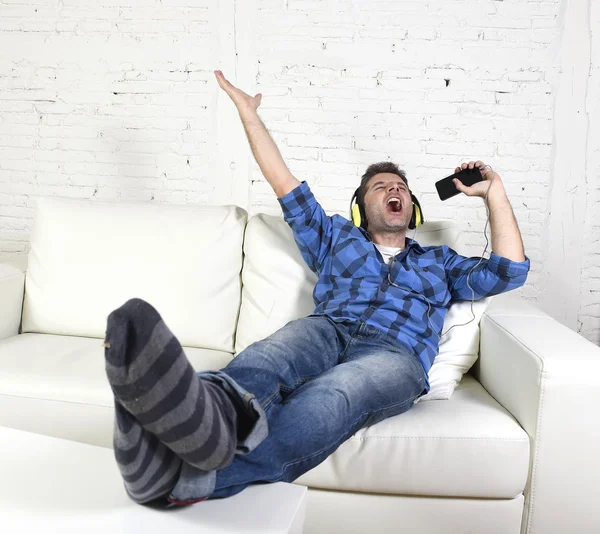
pixel 153 380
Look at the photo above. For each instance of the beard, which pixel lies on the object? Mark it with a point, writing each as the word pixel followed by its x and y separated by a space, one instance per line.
pixel 384 221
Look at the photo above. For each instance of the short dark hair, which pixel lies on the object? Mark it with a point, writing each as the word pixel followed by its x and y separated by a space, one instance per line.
pixel 372 170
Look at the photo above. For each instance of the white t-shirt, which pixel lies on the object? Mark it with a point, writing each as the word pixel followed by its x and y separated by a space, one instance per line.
pixel 388 252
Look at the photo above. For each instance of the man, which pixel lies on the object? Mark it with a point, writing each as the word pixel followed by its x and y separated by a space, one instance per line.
pixel 285 403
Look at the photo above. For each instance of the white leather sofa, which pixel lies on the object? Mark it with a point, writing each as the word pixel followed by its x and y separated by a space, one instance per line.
pixel 514 450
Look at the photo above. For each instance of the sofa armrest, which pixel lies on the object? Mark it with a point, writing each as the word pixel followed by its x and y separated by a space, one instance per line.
pixel 548 377
pixel 12 289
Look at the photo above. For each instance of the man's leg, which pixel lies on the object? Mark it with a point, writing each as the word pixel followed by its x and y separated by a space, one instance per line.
pixel 268 371
pixel 163 411
pixel 376 380
pixel 274 367
pixel 140 366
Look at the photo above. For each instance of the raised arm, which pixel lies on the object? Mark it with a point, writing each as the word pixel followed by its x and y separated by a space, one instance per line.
pixel 508 266
pixel 506 237
pixel 263 147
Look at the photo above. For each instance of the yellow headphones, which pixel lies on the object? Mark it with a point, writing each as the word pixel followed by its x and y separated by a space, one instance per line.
pixel 358 217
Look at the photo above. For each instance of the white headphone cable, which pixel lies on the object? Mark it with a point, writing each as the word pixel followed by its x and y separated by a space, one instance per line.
pixel 468 275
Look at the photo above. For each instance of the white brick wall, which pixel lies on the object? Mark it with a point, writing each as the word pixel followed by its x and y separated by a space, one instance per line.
pixel 116 99
pixel 589 311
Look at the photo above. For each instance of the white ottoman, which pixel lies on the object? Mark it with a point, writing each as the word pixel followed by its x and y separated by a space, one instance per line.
pixel 54 485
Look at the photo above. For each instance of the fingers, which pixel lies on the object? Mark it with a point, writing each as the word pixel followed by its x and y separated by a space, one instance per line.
pixel 240 99
pixel 470 165
pixel 225 84
pixel 471 191
pixel 221 79
pixel 484 172
pixel 459 185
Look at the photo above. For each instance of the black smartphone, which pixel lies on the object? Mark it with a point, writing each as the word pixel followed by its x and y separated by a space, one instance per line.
pixel 446 188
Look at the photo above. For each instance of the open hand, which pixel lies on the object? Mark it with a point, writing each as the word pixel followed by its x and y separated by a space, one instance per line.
pixel 242 101
pixel 480 188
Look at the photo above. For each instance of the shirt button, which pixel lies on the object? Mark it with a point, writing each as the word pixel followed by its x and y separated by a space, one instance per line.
pixel 426 268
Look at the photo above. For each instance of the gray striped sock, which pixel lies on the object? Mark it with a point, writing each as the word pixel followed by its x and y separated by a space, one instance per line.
pixel 149 469
pixel 153 380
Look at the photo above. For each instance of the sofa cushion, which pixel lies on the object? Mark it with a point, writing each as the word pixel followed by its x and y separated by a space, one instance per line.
pixel 467 446
pixel 277 285
pixel 57 385
pixel 88 258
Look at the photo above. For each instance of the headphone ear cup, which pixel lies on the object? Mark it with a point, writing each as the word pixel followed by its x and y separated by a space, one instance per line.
pixel 356 215
pixel 411 224
pixel 417 215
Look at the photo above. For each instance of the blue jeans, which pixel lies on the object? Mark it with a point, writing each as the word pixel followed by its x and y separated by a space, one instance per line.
pixel 302 392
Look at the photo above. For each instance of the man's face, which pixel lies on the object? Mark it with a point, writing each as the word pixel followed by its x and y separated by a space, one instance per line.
pixel 385 215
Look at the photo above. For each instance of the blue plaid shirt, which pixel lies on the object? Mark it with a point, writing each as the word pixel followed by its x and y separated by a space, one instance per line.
pixel 353 278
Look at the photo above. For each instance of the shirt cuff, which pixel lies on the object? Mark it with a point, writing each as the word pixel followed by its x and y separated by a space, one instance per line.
pixel 295 202
pixel 504 267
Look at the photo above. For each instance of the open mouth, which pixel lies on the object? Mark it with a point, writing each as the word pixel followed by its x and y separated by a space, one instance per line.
pixel 393 206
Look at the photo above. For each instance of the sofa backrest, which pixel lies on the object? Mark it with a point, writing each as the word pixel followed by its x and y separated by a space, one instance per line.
pixel 277 285
pixel 88 258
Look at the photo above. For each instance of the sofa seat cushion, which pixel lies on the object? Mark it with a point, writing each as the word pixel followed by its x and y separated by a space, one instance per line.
pixel 466 446
pixel 56 385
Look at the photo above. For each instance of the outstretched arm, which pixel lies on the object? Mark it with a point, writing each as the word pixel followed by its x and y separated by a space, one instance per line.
pixel 263 147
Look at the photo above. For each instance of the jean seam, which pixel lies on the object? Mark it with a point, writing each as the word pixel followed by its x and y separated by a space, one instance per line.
pixel 304 380
pixel 321 451
pixel 268 401
pixel 397 404
pixel 298 382
pixel 342 359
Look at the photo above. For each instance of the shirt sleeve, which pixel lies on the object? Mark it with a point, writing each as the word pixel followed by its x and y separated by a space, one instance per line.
pixel 491 277
pixel 311 226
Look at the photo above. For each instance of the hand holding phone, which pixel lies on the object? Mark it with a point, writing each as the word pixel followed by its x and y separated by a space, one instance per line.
pixel 446 188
